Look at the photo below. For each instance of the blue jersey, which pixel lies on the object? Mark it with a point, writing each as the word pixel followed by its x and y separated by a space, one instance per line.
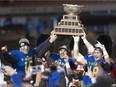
pixel 92 64
pixel 61 60
pixel 23 61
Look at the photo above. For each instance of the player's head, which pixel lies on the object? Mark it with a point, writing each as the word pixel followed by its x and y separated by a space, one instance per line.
pixel 64 50
pixel 24 45
pixel 98 53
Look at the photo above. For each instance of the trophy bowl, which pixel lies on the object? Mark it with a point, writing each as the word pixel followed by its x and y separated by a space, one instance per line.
pixel 72 9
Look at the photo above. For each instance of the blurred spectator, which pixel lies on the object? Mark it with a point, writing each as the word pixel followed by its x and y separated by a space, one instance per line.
pixel 104 77
pixel 40 27
pixel 16 81
pixel 2 82
pixel 8 22
pixel 54 77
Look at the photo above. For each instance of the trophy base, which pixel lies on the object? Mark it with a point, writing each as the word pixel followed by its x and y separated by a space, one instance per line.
pixel 68 31
pixel 72 34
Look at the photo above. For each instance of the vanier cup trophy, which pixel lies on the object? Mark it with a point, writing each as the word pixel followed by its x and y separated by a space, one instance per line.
pixel 70 24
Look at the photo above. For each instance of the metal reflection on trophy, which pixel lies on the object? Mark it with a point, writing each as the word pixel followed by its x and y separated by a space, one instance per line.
pixel 70 24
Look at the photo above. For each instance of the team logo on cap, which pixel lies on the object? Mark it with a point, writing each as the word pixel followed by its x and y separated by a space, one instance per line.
pixel 22 44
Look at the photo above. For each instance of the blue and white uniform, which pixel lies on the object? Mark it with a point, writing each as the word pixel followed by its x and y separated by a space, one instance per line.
pixel 61 61
pixel 23 61
pixel 93 65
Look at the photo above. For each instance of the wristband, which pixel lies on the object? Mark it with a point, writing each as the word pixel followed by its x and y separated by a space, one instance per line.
pixel 75 47
pixel 35 85
pixel 42 68
pixel 93 80
pixel 85 40
pixel 67 65
pixel 91 49
pixel 79 59
pixel 106 56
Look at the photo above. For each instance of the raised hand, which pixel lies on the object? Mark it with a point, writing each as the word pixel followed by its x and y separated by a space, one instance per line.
pixel 9 70
pixel 76 39
pixel 4 48
pixel 52 37
pixel 99 45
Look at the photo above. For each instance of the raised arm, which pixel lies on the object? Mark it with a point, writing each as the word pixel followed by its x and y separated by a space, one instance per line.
pixel 44 47
pixel 89 46
pixel 8 57
pixel 41 50
pixel 105 53
pixel 78 56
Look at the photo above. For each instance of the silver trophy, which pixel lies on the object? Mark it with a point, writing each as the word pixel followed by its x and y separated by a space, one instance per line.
pixel 70 24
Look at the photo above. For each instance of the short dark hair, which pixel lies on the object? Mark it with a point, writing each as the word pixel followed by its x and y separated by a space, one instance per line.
pixel 98 48
pixel 66 48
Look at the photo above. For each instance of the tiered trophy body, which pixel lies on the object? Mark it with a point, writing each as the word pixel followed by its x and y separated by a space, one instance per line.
pixel 70 24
